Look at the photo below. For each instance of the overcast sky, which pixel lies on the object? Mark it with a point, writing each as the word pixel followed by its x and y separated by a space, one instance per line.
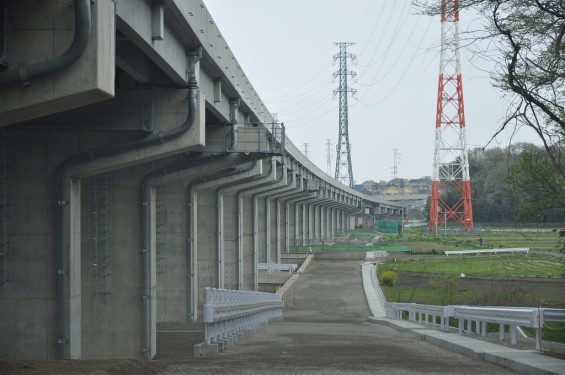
pixel 286 49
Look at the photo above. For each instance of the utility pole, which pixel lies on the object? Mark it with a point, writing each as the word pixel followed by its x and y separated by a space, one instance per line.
pixel 395 167
pixel 329 156
pixel 306 151
pixel 343 169
pixel 451 160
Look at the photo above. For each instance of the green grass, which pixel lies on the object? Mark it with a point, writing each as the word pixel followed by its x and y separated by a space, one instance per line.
pixel 426 256
pixel 504 265
pixel 425 295
pixel 553 331
pixel 532 238
pixel 424 243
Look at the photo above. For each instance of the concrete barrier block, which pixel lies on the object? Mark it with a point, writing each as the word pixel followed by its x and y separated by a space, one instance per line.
pixel 221 346
pixel 205 349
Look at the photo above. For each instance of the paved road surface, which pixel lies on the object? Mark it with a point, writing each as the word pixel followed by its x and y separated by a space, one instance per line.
pixel 325 332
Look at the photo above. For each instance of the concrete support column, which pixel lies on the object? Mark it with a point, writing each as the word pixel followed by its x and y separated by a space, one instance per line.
pixel 322 221
pixel 287 225
pixel 317 210
pixel 326 234
pixel 248 266
pixel 173 275
pixel 153 276
pixel 305 228
pixel 329 223
pixel 278 223
pixel 233 262
pixel 75 270
pixel 332 223
pixel 297 225
pixel 268 220
pixel 311 228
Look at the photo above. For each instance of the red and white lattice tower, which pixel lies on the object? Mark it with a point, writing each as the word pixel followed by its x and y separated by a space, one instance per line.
pixel 451 186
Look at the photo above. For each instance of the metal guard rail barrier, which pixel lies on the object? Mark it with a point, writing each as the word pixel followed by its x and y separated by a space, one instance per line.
pixel 488 251
pixel 228 313
pixel 270 267
pixel 514 317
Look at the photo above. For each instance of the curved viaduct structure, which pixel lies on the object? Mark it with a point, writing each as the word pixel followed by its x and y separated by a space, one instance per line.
pixel 139 166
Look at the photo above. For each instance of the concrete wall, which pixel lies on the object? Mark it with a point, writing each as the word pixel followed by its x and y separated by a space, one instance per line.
pixel 102 241
pixel 171 254
pixel 42 30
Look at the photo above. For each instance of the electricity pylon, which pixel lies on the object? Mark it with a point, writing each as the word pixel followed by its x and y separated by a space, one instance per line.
pixel 343 169
pixel 451 185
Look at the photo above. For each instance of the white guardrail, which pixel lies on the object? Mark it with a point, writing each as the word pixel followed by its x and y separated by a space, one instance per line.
pixel 228 313
pixel 270 267
pixel 513 317
pixel 488 251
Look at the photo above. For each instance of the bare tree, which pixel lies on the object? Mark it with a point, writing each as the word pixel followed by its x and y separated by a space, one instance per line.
pixel 527 38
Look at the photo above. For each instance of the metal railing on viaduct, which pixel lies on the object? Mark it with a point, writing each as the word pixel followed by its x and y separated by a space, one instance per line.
pixel 138 167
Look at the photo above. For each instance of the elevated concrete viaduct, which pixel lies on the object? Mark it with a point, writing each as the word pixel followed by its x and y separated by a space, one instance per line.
pixel 139 166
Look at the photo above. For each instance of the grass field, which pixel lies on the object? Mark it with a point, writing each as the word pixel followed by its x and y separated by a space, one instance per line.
pixel 502 265
pixel 425 295
pixel 532 238
pixel 419 241
pixel 427 257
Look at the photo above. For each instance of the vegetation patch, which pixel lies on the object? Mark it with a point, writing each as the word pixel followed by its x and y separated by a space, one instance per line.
pixel 388 278
pixel 503 265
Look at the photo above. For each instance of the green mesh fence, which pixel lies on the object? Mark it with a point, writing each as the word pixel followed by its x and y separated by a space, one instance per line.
pixel 320 248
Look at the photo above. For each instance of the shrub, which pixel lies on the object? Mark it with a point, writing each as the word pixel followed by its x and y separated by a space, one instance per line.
pixel 388 278
pixel 446 286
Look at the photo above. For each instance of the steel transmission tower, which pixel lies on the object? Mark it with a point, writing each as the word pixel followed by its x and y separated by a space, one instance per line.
pixel 343 170
pixel 329 156
pixel 395 167
pixel 451 163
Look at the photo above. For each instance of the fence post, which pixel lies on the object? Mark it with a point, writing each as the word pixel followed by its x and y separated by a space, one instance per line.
pixel 538 316
pixel 513 333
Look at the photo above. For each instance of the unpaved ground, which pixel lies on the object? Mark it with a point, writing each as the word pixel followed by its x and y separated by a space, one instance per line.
pixel 325 332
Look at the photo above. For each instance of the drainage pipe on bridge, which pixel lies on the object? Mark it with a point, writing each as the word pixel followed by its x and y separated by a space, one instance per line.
pixel 269 192
pixel 146 237
pixel 291 199
pixel 193 56
pixel 239 213
pixel 291 186
pixel 25 73
pixel 220 221
pixel 254 213
pixel 192 248
pixel 284 192
pixel 240 222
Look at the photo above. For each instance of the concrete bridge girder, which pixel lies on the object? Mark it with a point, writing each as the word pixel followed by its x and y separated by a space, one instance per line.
pixel 138 56
pixel 172 300
pixel 271 220
pixel 279 196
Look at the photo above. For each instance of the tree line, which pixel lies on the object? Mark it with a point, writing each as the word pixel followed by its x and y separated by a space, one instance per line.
pixel 514 184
